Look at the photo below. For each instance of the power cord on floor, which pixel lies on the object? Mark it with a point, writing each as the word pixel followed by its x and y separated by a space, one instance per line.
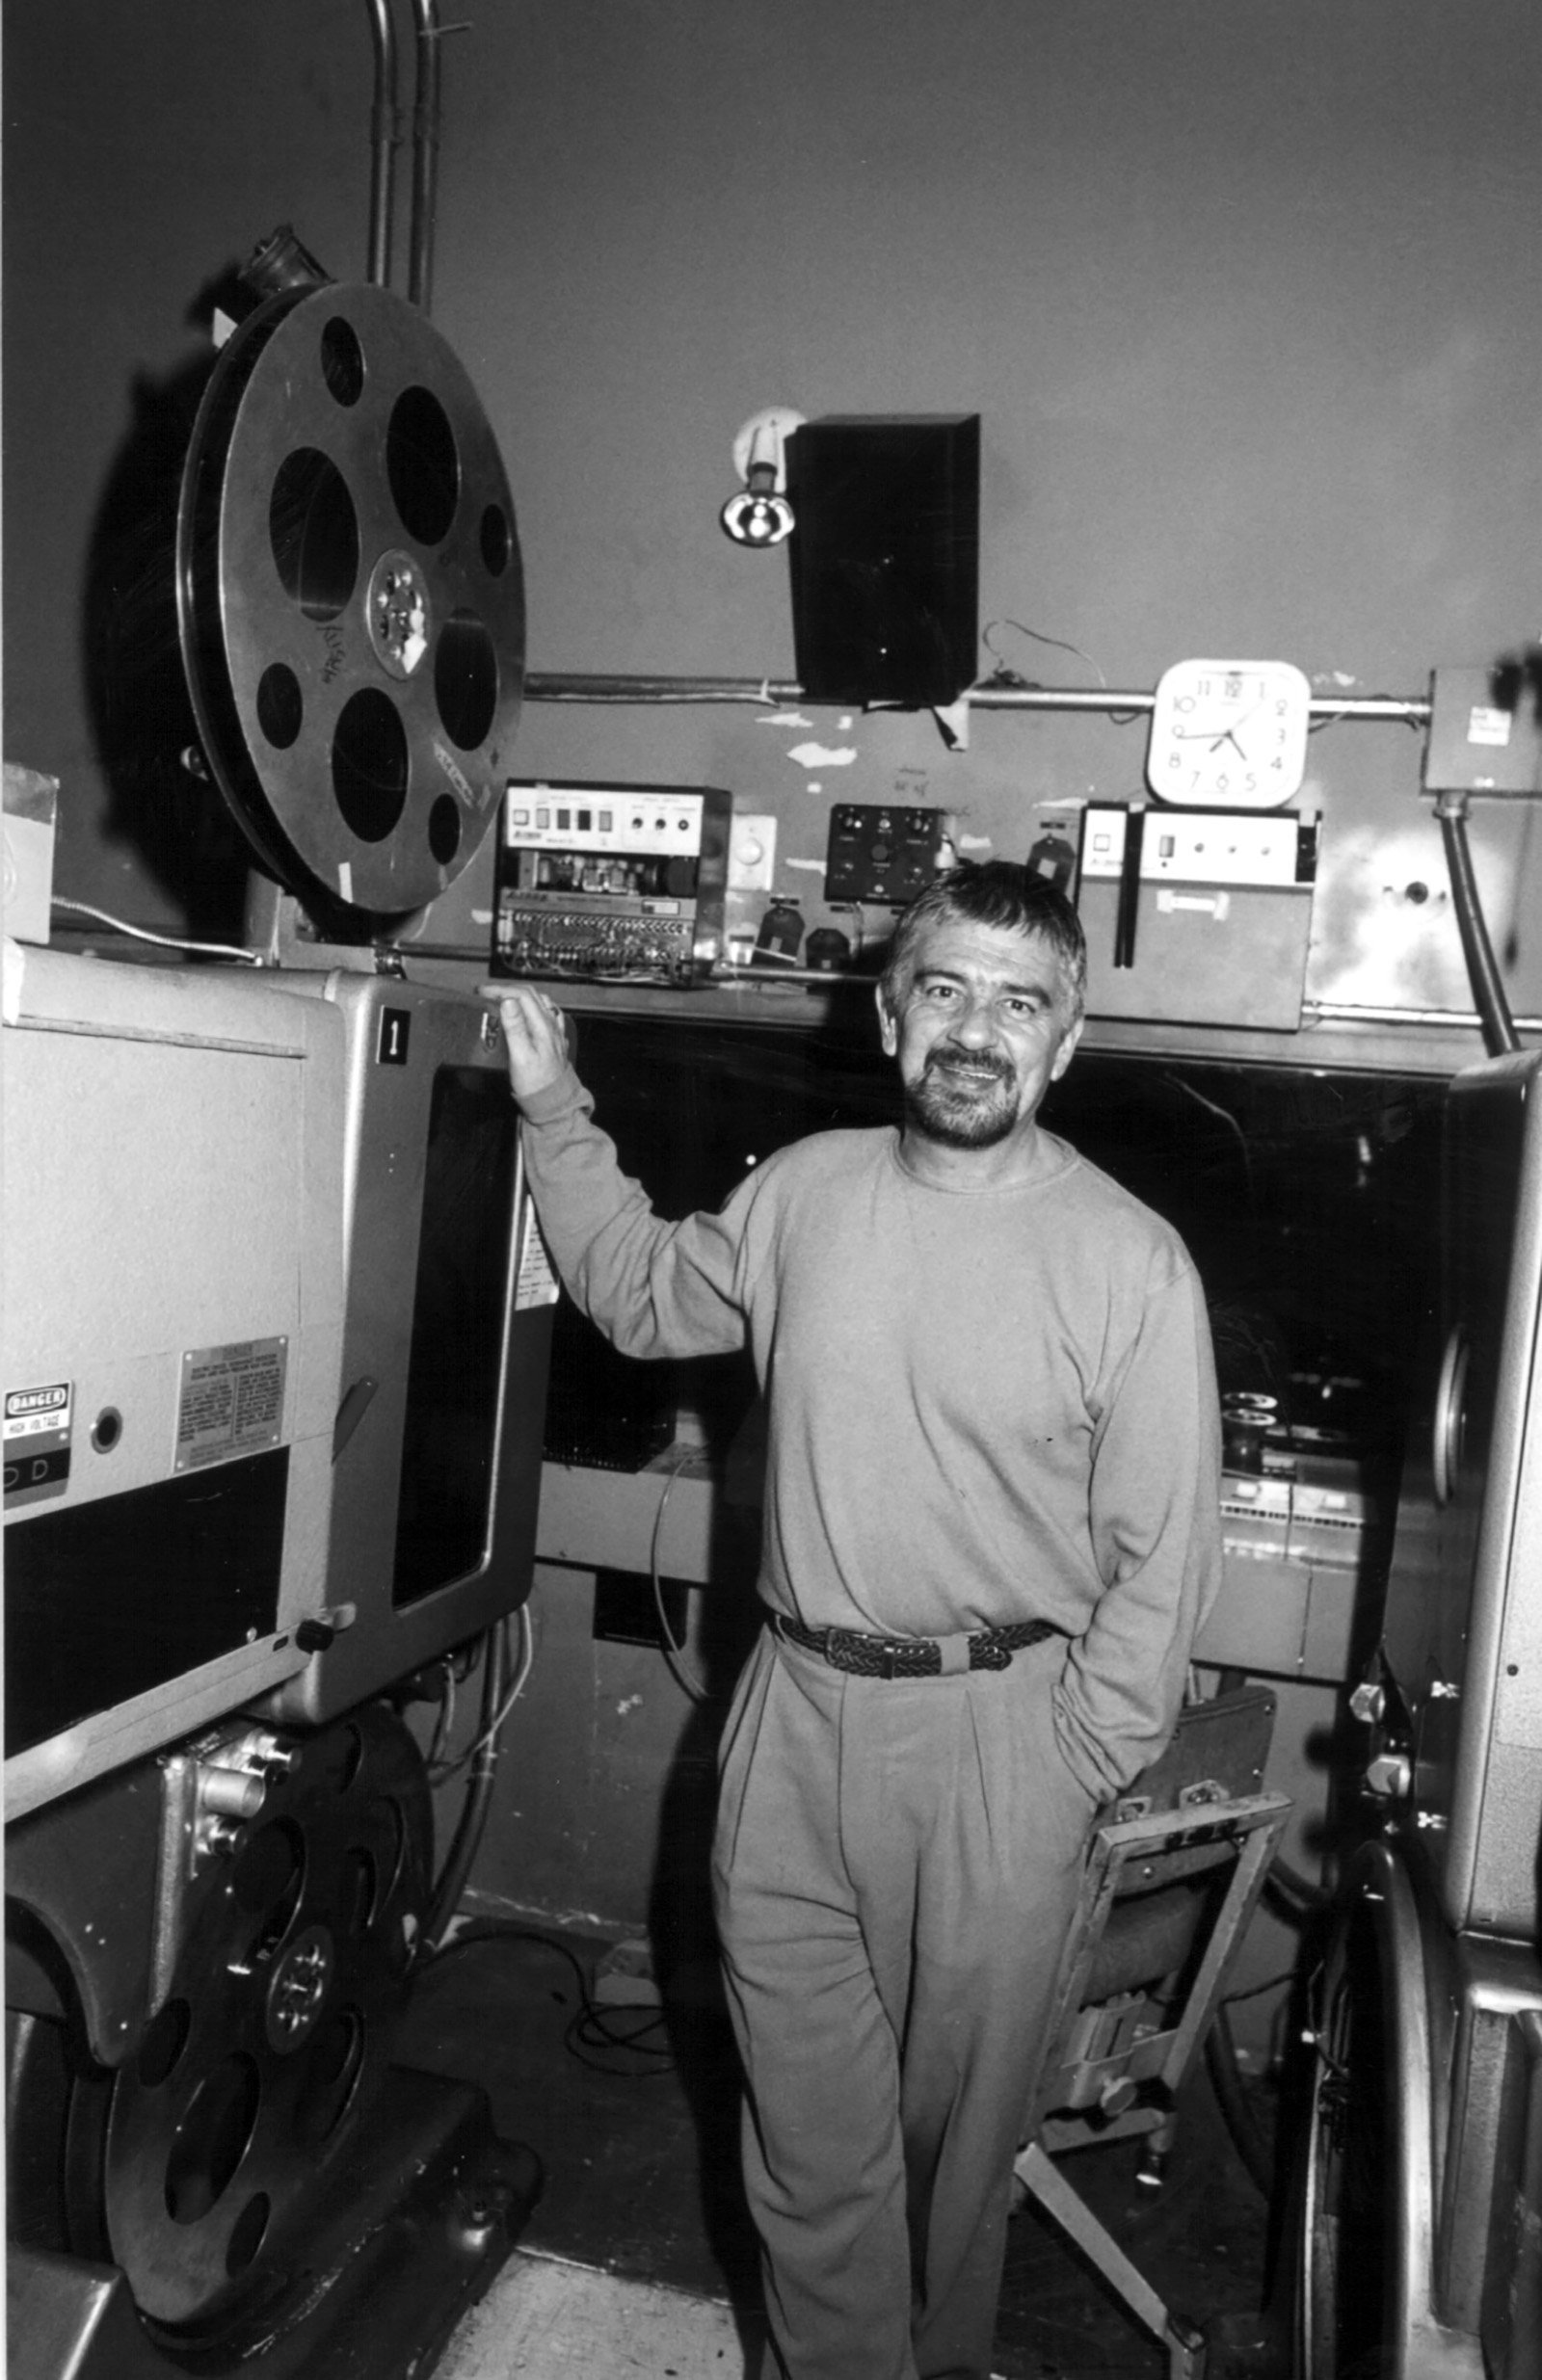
pixel 635 2032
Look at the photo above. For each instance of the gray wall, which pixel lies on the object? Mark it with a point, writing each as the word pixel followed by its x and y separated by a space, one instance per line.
pixel 1244 294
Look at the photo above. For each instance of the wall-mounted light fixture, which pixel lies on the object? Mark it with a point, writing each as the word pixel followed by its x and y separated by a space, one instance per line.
pixel 760 515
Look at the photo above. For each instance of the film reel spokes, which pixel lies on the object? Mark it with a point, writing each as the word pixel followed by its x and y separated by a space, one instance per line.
pixel 273 2040
pixel 351 597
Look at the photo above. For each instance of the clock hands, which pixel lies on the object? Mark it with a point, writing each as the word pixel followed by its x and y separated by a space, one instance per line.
pixel 1202 735
pixel 1228 735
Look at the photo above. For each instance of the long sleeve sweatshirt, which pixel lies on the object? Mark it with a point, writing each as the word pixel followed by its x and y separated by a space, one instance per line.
pixel 984 1405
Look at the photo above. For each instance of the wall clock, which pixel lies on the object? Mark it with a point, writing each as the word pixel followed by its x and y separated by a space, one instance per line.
pixel 1228 734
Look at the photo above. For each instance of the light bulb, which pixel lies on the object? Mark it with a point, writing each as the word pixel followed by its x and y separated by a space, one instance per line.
pixel 758 515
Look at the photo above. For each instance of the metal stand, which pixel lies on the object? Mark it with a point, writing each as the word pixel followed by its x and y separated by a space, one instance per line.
pixel 1186 2346
pixel 1171 1883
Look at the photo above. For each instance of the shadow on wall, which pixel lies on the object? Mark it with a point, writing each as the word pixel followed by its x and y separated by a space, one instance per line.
pixel 164 804
pixel 682 1932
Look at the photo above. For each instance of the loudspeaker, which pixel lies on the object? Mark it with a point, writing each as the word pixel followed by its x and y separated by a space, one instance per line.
pixel 884 557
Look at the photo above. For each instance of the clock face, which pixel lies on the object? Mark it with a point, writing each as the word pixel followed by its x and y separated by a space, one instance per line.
pixel 1228 734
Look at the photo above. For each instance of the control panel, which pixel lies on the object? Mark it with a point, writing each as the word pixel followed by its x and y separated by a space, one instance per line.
pixel 882 854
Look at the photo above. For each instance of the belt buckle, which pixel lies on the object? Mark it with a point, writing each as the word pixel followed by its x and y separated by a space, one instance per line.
pixel 888 1653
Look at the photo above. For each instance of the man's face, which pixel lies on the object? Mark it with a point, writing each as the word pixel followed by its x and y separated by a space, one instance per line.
pixel 982 1030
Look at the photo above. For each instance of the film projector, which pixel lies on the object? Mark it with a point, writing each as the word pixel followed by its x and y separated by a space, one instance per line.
pixel 275 1343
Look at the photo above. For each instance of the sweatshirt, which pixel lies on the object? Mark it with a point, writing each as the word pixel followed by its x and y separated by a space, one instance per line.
pixel 985 1405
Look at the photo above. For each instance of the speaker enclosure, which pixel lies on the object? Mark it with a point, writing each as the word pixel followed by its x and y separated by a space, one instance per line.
pixel 884 557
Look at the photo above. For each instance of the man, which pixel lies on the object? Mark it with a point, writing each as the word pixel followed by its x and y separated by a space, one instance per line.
pixel 991 1530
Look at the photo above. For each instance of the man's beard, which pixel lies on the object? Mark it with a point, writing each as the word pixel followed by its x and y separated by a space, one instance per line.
pixel 960 1109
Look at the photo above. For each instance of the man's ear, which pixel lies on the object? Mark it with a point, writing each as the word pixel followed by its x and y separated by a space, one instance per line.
pixel 1067 1049
pixel 888 1027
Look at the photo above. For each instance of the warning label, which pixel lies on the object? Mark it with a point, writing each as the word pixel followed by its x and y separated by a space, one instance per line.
pixel 231 1400
pixel 538 1283
pixel 37 1442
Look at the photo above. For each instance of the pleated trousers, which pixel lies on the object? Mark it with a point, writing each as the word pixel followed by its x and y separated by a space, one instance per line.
pixel 895 1867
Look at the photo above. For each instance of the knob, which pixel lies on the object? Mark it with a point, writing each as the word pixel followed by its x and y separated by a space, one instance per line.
pixel 231 1792
pixel 260 1752
pixel 313 1635
pixel 1390 1775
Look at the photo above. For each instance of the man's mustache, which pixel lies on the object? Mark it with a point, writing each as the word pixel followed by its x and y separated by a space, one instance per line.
pixel 958 1062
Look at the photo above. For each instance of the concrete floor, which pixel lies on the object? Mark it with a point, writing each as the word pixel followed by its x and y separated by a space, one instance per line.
pixel 639 2247
pixel 546 2318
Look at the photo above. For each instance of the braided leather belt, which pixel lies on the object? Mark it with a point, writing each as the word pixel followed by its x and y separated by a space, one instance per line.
pixel 909 1657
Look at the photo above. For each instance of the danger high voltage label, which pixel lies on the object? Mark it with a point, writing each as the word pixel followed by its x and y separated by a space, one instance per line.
pixel 37 1442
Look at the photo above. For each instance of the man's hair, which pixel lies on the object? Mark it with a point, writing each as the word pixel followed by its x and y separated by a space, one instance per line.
pixel 995 892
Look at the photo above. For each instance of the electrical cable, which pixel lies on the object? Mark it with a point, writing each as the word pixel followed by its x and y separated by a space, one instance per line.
pixel 494 1725
pixel 593 2026
pixel 1222 2065
pixel 1180 1082
pixel 445 1721
pixel 163 941
pixel 497 1700
pixel 1301 1895
pixel 1255 1991
pixel 1060 643
pixel 444 1898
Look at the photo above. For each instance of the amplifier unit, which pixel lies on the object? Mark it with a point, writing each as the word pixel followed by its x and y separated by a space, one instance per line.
pixel 611 881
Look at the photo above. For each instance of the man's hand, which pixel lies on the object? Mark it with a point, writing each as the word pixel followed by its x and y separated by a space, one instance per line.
pixel 535 1036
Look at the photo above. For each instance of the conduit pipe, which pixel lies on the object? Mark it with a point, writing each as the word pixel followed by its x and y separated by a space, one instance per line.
pixel 1488 991
pixel 425 155
pixel 386 136
pixel 384 139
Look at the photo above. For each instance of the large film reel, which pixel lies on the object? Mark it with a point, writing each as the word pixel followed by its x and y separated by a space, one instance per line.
pixel 199 2167
pixel 350 597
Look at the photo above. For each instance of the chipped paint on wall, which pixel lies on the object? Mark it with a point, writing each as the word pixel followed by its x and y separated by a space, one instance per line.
pixel 823 756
